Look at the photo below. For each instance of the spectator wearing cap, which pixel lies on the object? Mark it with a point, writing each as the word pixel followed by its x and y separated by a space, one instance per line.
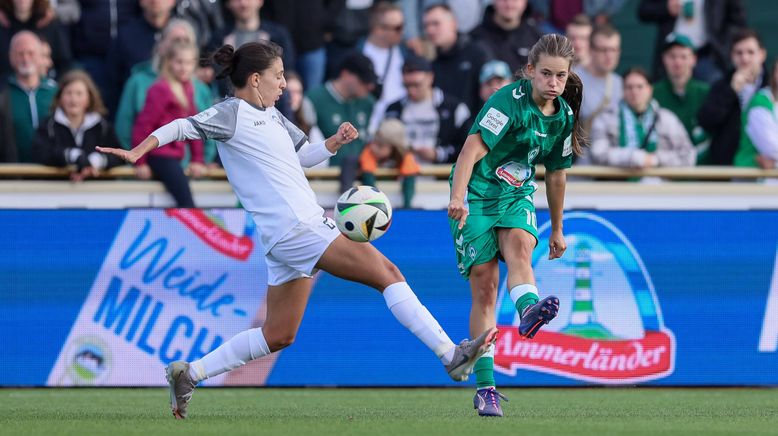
pixel 507 33
pixel 682 94
pixel 494 75
pixel 709 24
pixel 721 112
pixel 458 60
pixel 435 123
pixel 388 149
pixel 347 97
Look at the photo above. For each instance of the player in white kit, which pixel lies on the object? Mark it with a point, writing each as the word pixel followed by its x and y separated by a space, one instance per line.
pixel 263 155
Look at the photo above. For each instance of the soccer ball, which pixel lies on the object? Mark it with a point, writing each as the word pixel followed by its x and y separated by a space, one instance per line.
pixel 363 213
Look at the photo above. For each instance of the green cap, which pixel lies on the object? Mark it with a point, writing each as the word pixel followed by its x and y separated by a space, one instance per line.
pixel 674 39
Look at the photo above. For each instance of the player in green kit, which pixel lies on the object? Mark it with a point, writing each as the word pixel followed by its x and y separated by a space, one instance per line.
pixel 492 214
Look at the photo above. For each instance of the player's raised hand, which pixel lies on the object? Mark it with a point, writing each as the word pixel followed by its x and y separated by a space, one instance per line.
pixel 347 133
pixel 556 245
pixel 457 211
pixel 130 156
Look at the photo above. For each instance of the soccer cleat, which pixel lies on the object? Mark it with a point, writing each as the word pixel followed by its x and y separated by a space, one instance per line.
pixel 487 402
pixel 181 387
pixel 467 352
pixel 535 316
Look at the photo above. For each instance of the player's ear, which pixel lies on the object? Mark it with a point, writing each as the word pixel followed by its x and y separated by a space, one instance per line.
pixel 530 69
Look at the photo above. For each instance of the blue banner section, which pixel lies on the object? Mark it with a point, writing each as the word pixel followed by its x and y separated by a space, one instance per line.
pixel 647 297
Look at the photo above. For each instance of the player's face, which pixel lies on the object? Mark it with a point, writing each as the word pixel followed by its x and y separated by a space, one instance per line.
pixel 679 62
pixel 606 51
pixel 747 55
pixel 75 98
pixel 271 82
pixel 182 65
pixel 637 92
pixel 549 76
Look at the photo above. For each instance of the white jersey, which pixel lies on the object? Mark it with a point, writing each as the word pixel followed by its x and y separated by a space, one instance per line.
pixel 263 155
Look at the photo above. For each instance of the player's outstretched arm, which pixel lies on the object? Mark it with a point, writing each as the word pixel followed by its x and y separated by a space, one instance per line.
pixel 133 155
pixel 556 182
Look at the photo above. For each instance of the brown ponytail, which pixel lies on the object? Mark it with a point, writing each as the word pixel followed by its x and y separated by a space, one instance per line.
pixel 573 95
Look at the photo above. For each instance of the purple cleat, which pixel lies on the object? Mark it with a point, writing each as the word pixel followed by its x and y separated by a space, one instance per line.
pixel 487 402
pixel 537 315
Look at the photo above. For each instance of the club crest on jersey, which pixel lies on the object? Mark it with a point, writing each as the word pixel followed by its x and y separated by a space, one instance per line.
pixel 514 173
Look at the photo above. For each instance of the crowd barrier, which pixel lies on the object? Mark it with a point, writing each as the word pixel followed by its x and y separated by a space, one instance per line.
pixel 663 298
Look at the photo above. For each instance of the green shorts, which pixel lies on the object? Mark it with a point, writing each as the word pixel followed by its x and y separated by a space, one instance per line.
pixel 477 241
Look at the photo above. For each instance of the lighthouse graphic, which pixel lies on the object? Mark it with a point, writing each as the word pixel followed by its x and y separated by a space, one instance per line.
pixel 609 329
pixel 583 320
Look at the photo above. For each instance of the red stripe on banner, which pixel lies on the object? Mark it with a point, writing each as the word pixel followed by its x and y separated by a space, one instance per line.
pixel 237 247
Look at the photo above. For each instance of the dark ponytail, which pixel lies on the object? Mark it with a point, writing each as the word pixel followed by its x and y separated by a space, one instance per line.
pixel 250 58
pixel 573 95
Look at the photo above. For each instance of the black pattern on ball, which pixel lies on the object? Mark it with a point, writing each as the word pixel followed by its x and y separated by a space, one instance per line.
pixel 349 226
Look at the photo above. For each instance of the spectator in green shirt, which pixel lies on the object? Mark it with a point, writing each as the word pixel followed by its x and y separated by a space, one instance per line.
pixel 345 98
pixel 682 94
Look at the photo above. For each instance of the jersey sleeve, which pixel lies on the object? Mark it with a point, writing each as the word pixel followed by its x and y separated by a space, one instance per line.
pixel 218 122
pixel 561 154
pixel 494 119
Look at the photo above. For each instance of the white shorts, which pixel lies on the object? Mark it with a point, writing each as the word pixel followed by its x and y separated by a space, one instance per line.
pixel 296 253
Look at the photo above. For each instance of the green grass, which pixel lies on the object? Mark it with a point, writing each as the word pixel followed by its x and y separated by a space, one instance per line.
pixel 404 412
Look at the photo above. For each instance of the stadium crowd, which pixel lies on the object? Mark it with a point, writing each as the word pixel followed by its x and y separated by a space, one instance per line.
pixel 410 75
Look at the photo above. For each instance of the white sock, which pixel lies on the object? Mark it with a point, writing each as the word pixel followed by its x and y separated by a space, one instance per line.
pixel 240 349
pixel 407 308
pixel 489 351
pixel 519 291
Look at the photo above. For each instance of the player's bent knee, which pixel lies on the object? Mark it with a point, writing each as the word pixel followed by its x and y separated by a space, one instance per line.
pixel 280 341
pixel 485 297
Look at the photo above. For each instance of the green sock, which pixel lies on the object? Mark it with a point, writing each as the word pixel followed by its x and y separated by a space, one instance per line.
pixel 525 301
pixel 484 372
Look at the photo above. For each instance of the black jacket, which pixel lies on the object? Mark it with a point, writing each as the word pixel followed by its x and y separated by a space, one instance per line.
pixel 457 71
pixel 451 135
pixel 511 46
pixel 723 18
pixel 54 141
pixel 306 20
pixel 99 25
pixel 720 115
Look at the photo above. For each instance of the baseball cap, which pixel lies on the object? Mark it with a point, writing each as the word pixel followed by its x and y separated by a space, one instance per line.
pixel 361 66
pixel 392 132
pixel 495 68
pixel 674 39
pixel 415 63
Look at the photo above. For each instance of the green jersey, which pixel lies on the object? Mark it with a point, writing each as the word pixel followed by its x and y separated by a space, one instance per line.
pixel 747 153
pixel 518 136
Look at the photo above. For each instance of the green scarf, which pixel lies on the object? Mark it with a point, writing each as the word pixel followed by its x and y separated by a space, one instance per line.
pixel 633 127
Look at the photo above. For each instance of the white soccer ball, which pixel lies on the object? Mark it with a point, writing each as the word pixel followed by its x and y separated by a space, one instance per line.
pixel 363 213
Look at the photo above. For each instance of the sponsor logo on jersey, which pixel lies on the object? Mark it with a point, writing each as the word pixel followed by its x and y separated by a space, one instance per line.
pixel 514 173
pixel 259 123
pixel 519 94
pixel 541 134
pixel 494 121
pixel 609 329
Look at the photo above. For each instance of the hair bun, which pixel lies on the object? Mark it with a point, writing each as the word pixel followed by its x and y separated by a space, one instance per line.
pixel 224 55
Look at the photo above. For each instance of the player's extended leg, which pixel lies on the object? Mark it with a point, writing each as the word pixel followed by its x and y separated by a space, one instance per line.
pixel 285 308
pixel 516 246
pixel 484 280
pixel 363 263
